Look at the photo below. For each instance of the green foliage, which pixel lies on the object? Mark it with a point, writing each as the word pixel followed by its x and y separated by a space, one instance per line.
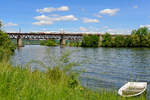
pixel 0 24
pixel 6 46
pixel 61 66
pixel 136 42
pixel 107 40
pixel 90 41
pixel 141 31
pixel 74 43
pixel 49 43
pixel 133 32
pixel 119 41
pixel 127 41
pixel 17 83
pixel 145 42
pixel 138 38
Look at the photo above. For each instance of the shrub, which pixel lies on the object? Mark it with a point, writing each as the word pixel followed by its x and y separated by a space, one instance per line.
pixel 107 40
pixel 6 46
pixel 119 41
pixel 49 43
pixel 90 41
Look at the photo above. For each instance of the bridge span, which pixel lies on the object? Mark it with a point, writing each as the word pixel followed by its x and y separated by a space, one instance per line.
pixel 45 36
pixel 53 35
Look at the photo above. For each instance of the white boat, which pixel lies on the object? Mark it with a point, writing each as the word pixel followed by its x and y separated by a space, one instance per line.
pixel 132 89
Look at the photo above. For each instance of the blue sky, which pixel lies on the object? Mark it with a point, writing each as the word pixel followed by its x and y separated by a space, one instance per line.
pixel 114 16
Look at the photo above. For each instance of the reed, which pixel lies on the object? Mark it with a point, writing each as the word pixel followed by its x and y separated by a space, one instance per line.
pixel 18 83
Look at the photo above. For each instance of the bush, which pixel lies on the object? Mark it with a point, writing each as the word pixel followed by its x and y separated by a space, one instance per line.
pixel 90 41
pixel 74 43
pixel 119 41
pixel 49 43
pixel 107 40
pixel 6 46
pixel 139 37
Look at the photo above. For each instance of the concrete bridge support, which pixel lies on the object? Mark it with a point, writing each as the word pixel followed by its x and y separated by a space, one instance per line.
pixel 100 40
pixel 19 42
pixel 62 41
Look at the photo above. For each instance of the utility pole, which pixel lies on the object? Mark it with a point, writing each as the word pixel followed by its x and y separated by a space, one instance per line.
pixel 19 30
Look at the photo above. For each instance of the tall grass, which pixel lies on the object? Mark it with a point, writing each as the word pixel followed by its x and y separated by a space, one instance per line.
pixel 17 83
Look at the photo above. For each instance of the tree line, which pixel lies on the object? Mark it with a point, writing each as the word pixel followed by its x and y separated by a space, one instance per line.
pixel 138 38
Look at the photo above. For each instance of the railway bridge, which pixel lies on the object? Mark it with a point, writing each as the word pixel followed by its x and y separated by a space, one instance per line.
pixel 53 35
pixel 45 36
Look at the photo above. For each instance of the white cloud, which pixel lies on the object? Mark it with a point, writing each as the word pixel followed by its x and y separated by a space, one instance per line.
pixel 57 18
pixel 87 20
pixel 51 9
pixel 148 25
pixel 110 12
pixel 83 29
pixel 42 17
pixel 42 22
pixel 136 6
pixel 99 16
pixel 10 24
pixel 63 8
pixel 65 18
pixel 48 20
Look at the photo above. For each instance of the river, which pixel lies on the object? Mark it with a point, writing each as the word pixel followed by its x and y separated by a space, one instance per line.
pixel 102 67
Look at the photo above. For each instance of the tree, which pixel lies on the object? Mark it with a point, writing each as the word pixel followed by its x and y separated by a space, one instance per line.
pixel 135 40
pixel 119 41
pixel 141 32
pixel 0 24
pixel 107 40
pixel 146 41
pixel 127 41
pixel 133 32
pixel 90 41
pixel 6 46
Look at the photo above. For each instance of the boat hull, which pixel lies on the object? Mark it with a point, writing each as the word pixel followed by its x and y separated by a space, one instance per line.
pixel 131 89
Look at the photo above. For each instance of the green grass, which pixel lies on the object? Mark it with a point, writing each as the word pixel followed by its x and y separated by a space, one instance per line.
pixel 18 83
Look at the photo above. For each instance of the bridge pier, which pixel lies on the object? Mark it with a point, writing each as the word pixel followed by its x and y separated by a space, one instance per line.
pixel 62 41
pixel 100 40
pixel 19 42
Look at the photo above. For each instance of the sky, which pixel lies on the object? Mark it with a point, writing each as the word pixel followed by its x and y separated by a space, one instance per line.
pixel 113 16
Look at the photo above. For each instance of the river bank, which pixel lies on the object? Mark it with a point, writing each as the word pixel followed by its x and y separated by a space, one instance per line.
pixel 102 67
pixel 23 83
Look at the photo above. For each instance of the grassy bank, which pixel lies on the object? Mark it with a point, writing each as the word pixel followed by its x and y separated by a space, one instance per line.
pixel 17 83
